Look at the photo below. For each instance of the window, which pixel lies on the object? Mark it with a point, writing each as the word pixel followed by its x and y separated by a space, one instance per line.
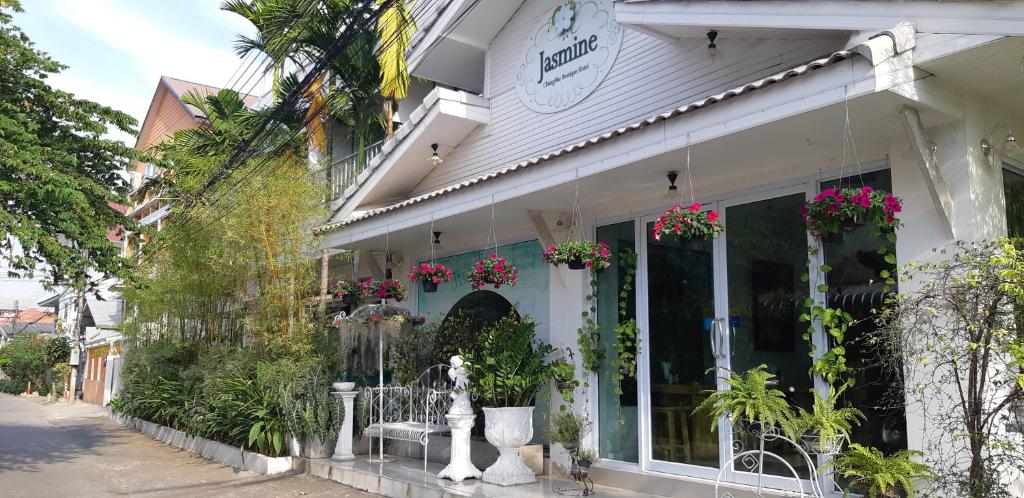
pixel 150 170
pixel 854 287
pixel 1013 191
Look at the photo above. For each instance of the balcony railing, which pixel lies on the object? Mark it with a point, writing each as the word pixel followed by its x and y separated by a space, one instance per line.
pixel 344 171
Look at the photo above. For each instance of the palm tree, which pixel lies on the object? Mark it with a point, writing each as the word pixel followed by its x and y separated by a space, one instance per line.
pixel 395 28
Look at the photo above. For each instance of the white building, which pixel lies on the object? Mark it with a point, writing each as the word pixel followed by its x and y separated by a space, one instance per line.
pixel 919 98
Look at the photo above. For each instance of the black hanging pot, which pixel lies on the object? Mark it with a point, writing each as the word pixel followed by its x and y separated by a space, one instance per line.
pixel 429 286
pixel 571 445
pixel 850 224
pixel 577 264
pixel 348 299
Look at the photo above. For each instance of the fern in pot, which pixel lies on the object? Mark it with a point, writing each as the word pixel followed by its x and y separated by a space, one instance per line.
pixel 750 403
pixel 824 429
pixel 878 475
pixel 511 367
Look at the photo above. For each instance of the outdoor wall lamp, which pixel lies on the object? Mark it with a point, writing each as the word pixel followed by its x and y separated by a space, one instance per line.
pixel 1008 145
pixel 435 159
pixel 673 190
pixel 712 47
pixel 437 238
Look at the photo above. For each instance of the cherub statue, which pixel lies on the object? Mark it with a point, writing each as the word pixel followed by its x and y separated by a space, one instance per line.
pixel 457 373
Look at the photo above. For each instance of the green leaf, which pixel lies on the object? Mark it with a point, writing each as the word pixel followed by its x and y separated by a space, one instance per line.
pixel 254 432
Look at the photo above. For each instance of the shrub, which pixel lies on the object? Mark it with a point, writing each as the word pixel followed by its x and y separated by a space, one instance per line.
pixel 13 386
pixel 512 365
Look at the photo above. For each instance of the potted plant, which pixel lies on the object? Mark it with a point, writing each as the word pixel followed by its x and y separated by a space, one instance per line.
pixel 430 274
pixel 564 375
pixel 567 427
pixel 749 402
pixel 578 255
pixel 384 289
pixel 492 271
pixel 823 429
pixel 872 472
pixel 585 458
pixel 835 209
pixel 506 375
pixel 687 223
pixel 349 291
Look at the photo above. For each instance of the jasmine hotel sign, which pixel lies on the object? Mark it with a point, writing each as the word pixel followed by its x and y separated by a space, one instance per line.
pixel 570 52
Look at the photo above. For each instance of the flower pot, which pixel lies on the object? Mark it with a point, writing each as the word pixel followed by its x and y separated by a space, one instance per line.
pixel 566 386
pixel 315 448
pixel 348 299
pixel 576 264
pixel 811 443
pixel 343 386
pixel 429 286
pixel 570 445
pixel 508 429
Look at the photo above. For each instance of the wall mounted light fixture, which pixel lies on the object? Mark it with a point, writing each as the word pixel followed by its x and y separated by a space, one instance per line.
pixel 712 46
pixel 673 190
pixel 435 159
pixel 1005 145
pixel 437 238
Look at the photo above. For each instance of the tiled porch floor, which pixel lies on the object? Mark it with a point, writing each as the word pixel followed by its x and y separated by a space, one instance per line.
pixel 404 478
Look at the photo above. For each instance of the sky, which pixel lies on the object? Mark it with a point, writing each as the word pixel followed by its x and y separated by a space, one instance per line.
pixel 116 51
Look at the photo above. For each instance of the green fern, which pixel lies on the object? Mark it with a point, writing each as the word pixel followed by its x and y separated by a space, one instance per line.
pixel 751 398
pixel 878 475
pixel 826 420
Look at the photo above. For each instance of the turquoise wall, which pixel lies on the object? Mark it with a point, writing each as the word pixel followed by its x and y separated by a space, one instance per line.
pixel 529 296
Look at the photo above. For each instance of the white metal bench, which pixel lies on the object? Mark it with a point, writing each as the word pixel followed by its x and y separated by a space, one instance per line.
pixel 410 412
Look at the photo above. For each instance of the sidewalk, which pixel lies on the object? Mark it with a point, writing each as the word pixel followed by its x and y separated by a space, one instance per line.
pixel 57 450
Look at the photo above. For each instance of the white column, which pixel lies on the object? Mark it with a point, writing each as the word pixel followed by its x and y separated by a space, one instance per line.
pixel 343 448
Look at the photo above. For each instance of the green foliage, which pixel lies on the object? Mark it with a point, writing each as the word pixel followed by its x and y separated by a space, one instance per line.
pixel 878 475
pixel 458 332
pixel 593 255
pixel 251 398
pixel 568 427
pixel 512 365
pixel 749 398
pixel 24 358
pixel 58 350
pixel 826 420
pixel 564 374
pixel 627 333
pixel 12 386
pixel 588 336
pixel 58 176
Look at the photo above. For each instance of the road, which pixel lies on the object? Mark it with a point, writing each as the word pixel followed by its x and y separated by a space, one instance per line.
pixel 59 450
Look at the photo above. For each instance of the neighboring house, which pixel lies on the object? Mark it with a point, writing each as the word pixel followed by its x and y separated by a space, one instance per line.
pixel 14 322
pixel 167 115
pixel 532 111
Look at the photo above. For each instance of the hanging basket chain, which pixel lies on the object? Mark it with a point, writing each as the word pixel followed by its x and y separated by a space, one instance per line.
pixel 576 222
pixel 689 173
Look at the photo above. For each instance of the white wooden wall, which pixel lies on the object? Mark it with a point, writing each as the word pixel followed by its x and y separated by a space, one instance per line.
pixel 648 77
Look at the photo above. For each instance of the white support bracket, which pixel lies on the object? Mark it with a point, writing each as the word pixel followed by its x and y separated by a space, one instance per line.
pixel 925 156
pixel 544 235
pixel 371 263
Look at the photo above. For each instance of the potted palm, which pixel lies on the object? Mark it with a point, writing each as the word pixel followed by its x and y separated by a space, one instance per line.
pixel 873 473
pixel 749 402
pixel 823 429
pixel 509 370
pixel 430 275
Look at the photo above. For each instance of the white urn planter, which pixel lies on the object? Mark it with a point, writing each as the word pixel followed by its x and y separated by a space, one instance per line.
pixel 508 429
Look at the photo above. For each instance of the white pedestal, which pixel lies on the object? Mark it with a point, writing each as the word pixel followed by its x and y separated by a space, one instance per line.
pixel 343 448
pixel 460 466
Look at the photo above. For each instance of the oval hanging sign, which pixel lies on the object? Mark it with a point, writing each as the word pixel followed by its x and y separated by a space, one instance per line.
pixel 569 55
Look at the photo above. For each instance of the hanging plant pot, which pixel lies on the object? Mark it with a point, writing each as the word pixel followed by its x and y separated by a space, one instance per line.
pixel 349 291
pixel 492 271
pixel 384 289
pixel 348 299
pixel 813 444
pixel 430 274
pixel 842 210
pixel 687 223
pixel 579 255
pixel 571 445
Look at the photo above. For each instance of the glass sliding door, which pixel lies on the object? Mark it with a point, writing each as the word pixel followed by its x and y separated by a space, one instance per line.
pixel 680 313
pixel 765 257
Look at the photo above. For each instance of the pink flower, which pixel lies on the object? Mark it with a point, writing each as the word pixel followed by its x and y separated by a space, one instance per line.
pixel 494 255
pixel 687 222
pixel 866 190
pixel 589 264
pixel 712 216
pixel 678 229
pixel 892 204
pixel 436 280
pixel 694 207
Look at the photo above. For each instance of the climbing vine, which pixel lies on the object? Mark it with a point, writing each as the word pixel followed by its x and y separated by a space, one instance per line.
pixel 627 341
pixel 588 335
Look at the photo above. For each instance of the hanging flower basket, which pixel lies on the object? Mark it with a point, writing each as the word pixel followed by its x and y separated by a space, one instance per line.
pixel 845 209
pixel 384 289
pixel 687 223
pixel 349 291
pixel 579 255
pixel 430 275
pixel 492 271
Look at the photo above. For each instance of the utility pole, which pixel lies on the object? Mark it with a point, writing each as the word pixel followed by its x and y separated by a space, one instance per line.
pixel 76 373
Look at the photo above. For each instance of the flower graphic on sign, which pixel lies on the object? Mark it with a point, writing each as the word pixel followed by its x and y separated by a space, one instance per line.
pixel 563 18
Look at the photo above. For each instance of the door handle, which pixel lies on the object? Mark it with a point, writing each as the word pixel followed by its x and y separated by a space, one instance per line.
pixel 714 337
pixel 731 338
